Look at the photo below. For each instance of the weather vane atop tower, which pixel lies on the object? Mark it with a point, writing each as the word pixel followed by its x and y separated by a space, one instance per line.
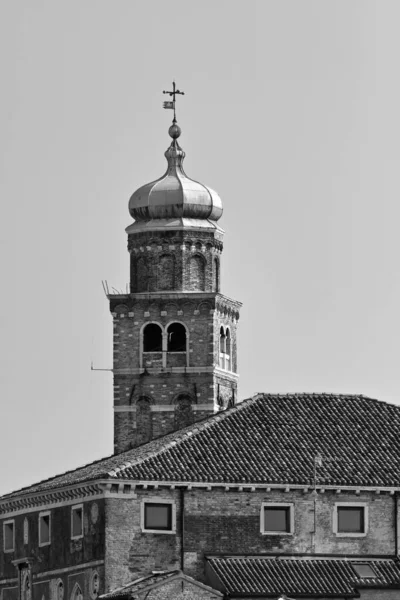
pixel 170 104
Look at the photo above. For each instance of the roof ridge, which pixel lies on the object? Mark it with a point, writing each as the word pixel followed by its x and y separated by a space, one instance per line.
pixel 341 395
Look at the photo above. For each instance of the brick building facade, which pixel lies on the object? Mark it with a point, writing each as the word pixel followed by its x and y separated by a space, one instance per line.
pixel 206 497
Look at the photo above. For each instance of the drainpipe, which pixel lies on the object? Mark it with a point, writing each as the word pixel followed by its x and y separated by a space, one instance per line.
pixel 182 495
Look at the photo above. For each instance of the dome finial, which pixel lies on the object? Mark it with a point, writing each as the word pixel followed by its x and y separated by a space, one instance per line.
pixel 174 131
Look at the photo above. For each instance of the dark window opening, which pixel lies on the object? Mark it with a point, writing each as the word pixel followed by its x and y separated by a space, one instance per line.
pixel 152 338
pixel 77 522
pixel 44 529
pixel 176 338
pixel 222 341
pixel 277 519
pixel 158 516
pixel 9 536
pixel 228 342
pixel 364 570
pixel 350 519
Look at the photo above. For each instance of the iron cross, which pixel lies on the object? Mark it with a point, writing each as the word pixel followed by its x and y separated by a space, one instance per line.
pixel 173 94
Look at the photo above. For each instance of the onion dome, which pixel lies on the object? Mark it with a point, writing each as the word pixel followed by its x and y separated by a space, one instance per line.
pixel 174 195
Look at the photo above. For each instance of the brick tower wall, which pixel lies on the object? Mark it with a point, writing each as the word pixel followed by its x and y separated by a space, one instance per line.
pixel 157 392
pixel 175 261
pixel 175 282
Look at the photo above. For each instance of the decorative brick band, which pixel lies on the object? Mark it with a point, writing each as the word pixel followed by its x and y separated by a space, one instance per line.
pixel 167 408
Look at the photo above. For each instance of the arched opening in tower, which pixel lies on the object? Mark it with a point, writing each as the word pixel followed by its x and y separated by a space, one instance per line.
pixel 152 338
pixel 228 352
pixel 176 338
pixel 222 347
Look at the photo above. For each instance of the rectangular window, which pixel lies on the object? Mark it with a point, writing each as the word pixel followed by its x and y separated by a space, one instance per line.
pixel 44 528
pixel 277 518
pixel 8 536
pixel 77 521
pixel 158 516
pixel 351 519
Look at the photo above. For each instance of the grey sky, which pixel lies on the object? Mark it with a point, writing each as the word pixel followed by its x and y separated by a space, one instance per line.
pixel 291 113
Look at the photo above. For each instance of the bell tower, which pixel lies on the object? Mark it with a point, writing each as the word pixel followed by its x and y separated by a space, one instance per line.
pixel 175 345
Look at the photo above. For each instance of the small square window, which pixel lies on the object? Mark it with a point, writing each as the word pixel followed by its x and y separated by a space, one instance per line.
pixel 158 517
pixel 277 519
pixel 44 529
pixel 77 522
pixel 364 570
pixel 351 519
pixel 8 536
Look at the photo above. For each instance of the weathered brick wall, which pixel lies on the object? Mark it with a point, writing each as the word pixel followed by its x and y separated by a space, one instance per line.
pixel 218 522
pixel 162 377
pixel 223 522
pixel 175 260
pixel 165 392
pixel 132 313
pixel 129 552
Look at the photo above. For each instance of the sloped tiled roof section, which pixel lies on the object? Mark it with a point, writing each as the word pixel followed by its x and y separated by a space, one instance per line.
pixel 139 587
pixel 274 439
pixel 266 439
pixel 301 577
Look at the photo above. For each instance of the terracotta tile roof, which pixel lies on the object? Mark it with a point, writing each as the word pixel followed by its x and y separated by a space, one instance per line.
pixel 269 438
pixel 299 577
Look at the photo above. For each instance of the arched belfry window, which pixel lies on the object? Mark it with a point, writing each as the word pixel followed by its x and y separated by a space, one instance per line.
pixel 228 345
pixel 197 273
pixel 184 414
pixel 222 346
pixel 144 425
pixel 152 338
pixel 176 337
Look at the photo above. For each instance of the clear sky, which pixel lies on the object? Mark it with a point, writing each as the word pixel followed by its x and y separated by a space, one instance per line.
pixel 291 113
